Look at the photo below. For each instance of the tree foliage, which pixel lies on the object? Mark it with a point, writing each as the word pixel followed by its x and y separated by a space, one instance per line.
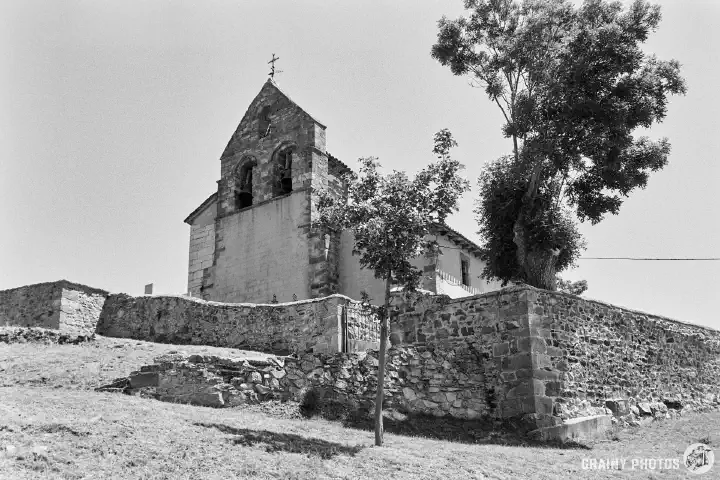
pixel 573 85
pixel 392 217
pixel 550 225
pixel 575 288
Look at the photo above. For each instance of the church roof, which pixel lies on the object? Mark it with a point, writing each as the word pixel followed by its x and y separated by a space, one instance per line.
pixel 457 238
pixel 314 118
pixel 335 166
pixel 195 213
pixel 269 84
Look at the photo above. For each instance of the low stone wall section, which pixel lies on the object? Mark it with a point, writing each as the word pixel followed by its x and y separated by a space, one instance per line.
pixel 427 381
pixel 550 356
pixel 62 305
pixel 595 354
pixel 31 306
pixel 329 324
pixel 492 327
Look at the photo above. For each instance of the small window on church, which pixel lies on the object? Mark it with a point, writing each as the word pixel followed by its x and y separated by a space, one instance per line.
pixel 465 271
pixel 264 122
pixel 243 182
pixel 284 170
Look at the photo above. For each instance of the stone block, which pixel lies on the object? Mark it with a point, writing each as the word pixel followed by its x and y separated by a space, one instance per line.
pixel 409 393
pixel 501 349
pixel 577 429
pixel 644 408
pixel 145 379
pixel 521 360
pixel 542 374
pixel 619 407
pixel 206 399
pixel 544 405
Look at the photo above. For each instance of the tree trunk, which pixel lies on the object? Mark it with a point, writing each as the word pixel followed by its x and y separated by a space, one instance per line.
pixel 381 366
pixel 537 265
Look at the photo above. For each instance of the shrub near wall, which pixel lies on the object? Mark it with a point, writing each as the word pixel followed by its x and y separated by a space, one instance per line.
pixel 304 326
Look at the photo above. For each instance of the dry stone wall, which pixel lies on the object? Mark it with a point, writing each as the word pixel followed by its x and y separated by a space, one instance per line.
pixel 62 305
pixel 320 325
pixel 596 355
pixel 492 328
pixel 31 306
pixel 429 381
pixel 549 356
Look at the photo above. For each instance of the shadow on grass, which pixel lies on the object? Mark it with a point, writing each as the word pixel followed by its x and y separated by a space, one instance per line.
pixel 321 402
pixel 481 431
pixel 284 442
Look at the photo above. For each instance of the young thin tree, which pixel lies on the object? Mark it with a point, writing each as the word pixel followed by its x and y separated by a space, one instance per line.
pixel 391 217
pixel 573 84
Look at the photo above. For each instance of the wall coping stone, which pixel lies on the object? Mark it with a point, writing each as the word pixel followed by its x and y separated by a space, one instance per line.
pixel 229 304
pixel 64 284
pixel 524 287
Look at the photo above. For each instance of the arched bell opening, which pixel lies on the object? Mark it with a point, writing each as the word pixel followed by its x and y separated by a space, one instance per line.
pixel 244 183
pixel 283 168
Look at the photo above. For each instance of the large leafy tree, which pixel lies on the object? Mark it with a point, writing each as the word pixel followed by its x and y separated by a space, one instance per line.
pixel 391 217
pixel 573 85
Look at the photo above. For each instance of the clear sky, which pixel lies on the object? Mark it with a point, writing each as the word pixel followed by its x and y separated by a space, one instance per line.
pixel 113 116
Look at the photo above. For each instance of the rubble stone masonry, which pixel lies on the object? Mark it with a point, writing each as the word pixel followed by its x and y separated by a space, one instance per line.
pixel 553 356
pixel 62 305
pixel 327 325
pixel 520 352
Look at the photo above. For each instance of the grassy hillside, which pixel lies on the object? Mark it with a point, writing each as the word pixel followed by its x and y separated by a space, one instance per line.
pixel 56 426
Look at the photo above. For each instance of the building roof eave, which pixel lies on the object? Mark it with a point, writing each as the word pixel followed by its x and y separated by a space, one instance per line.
pixel 195 213
pixel 457 238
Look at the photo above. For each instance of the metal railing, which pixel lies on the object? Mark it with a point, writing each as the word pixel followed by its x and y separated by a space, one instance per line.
pixel 454 281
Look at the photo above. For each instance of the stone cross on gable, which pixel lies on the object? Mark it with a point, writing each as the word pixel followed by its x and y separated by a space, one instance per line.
pixel 272 67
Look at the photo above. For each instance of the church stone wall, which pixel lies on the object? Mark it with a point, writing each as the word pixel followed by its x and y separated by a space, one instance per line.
pixel 555 356
pixel 202 250
pixel 589 351
pixel 326 325
pixel 31 306
pixel 261 252
pixel 61 305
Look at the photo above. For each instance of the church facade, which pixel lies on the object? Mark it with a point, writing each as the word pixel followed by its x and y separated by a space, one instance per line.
pixel 256 239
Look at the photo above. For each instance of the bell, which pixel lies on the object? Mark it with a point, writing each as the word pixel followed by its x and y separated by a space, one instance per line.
pixel 286 182
pixel 244 198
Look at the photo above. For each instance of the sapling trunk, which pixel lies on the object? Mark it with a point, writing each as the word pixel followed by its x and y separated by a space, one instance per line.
pixel 381 366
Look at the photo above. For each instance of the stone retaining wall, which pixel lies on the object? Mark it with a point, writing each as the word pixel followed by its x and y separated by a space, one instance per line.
pixel 62 305
pixel 329 324
pixel 595 353
pixel 550 356
pixel 428 381
pixel 493 327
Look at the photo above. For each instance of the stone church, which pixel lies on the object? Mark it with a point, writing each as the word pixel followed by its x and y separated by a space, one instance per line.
pixel 256 238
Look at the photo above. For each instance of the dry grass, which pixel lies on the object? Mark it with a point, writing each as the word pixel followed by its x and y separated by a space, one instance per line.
pixel 63 429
